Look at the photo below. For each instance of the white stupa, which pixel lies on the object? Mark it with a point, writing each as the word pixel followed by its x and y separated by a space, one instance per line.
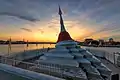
pixel 75 62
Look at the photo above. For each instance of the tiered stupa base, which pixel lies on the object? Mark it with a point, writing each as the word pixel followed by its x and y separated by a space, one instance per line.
pixel 70 58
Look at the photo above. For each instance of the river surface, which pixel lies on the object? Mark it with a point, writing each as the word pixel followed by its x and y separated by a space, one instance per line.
pixel 110 50
pixel 4 50
pixel 22 47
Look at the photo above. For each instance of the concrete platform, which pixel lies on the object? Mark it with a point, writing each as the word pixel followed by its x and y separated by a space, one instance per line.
pixel 8 76
pixel 115 69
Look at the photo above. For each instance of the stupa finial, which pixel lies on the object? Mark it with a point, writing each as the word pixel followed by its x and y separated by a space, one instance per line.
pixel 61 20
pixel 63 35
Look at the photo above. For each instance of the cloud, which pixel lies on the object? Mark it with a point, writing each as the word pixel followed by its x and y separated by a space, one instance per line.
pixel 98 31
pixel 53 27
pixel 28 18
pixel 41 31
pixel 26 29
pixel 116 37
pixel 91 16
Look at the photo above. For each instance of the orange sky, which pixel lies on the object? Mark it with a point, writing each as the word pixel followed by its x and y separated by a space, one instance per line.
pixel 34 21
pixel 49 30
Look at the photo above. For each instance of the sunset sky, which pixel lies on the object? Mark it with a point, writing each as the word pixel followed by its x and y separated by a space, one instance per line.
pixel 38 20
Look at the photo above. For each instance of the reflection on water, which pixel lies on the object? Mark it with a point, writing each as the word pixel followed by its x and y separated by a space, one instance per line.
pixel 21 47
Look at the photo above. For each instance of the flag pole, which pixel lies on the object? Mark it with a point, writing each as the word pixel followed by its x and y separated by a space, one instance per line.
pixel 43 44
pixel 24 44
pixel 9 46
pixel 27 44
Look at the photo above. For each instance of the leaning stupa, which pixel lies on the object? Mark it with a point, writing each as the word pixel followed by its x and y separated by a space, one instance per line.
pixel 71 60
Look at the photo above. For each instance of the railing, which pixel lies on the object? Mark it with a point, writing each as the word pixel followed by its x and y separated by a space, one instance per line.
pixel 112 57
pixel 50 69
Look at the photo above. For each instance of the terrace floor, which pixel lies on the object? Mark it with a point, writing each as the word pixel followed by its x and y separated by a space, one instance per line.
pixel 115 69
pixel 9 76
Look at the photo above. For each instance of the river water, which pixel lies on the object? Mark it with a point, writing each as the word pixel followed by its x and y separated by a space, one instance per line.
pixel 22 47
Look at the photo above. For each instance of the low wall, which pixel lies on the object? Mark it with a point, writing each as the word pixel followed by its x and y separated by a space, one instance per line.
pixel 98 53
pixel 26 73
pixel 112 55
pixel 27 54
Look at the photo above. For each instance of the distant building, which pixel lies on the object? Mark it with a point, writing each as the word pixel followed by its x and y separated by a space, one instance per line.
pixel 88 41
pixel 101 42
pixel 94 43
pixel 2 42
pixel 111 41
